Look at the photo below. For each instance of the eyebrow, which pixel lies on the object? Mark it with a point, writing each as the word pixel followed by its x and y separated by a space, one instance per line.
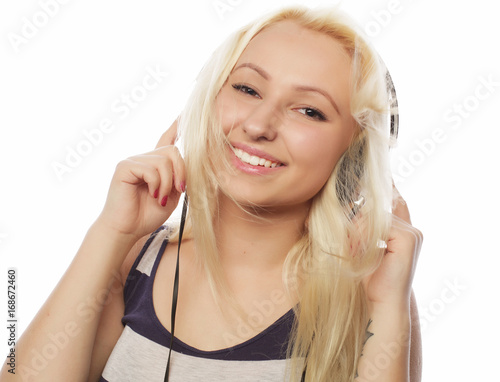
pixel 257 68
pixel 300 88
pixel 320 91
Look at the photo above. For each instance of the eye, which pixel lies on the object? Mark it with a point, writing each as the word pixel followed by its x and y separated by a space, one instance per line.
pixel 312 113
pixel 246 89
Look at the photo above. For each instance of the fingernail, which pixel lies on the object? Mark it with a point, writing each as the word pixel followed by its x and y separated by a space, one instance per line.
pixel 183 186
pixel 164 201
pixel 156 193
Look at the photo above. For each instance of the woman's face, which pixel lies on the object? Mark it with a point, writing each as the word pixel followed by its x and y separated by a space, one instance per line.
pixel 285 111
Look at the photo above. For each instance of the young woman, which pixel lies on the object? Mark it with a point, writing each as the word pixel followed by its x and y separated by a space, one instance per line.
pixel 298 256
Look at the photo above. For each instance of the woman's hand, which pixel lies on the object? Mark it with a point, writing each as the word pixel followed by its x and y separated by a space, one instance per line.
pixel 145 189
pixel 390 333
pixel 391 284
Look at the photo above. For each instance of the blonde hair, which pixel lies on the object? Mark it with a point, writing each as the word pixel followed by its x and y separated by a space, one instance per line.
pixel 331 316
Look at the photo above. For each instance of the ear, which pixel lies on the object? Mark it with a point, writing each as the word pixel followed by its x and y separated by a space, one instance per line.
pixel 168 137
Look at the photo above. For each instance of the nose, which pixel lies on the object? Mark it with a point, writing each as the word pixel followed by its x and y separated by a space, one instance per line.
pixel 261 123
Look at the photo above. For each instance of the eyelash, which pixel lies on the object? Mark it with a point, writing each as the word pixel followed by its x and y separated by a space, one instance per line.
pixel 245 89
pixel 318 116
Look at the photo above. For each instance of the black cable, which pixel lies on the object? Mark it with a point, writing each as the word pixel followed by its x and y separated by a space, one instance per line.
pixel 175 293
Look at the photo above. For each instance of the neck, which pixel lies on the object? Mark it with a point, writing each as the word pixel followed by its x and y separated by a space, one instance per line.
pixel 257 239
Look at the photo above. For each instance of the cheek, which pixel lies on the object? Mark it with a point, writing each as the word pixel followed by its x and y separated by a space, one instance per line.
pixel 227 110
pixel 319 149
pixel 317 154
pixel 220 109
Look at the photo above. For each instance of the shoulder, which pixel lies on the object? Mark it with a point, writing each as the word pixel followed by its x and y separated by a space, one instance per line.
pixel 164 232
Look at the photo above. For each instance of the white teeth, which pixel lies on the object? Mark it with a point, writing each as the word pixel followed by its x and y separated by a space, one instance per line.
pixel 253 159
pixel 245 157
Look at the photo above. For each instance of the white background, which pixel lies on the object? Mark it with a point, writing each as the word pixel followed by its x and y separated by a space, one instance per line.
pixel 65 78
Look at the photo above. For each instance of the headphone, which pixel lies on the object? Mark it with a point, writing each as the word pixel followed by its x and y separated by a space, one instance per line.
pixel 393 105
pixel 394 129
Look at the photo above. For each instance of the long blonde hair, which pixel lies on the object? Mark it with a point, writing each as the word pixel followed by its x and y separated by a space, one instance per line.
pixel 331 317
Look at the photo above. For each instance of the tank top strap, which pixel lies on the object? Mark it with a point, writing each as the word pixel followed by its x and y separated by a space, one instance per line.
pixel 146 263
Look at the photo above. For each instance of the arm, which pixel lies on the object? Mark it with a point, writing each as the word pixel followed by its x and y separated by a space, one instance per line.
pixel 416 343
pixel 58 345
pixel 392 350
pixel 110 326
pixel 387 348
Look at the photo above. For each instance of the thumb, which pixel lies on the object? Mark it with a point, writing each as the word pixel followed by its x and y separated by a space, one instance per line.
pixel 168 137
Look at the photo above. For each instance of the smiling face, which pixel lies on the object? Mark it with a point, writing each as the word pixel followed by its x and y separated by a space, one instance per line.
pixel 286 113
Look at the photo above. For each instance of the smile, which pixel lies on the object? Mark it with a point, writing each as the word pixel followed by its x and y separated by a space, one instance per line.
pixel 254 160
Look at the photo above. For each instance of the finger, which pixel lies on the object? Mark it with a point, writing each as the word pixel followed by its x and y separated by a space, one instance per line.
pixel 170 157
pixel 165 169
pixel 134 172
pixel 168 137
pixel 162 160
pixel 179 168
pixel 400 207
pixel 175 163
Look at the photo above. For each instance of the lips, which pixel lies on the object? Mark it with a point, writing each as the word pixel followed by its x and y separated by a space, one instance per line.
pixel 253 157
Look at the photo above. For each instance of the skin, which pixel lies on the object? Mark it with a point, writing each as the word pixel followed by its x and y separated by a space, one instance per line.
pixel 146 188
pixel 263 106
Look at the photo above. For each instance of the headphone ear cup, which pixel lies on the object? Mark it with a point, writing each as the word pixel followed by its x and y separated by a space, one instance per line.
pixel 393 107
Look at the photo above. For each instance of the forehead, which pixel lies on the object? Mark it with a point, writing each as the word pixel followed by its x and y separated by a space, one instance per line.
pixel 294 54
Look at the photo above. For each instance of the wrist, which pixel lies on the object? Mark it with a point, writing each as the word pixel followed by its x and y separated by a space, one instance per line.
pixel 102 227
pixel 399 308
pixel 386 351
pixel 391 319
pixel 392 323
pixel 116 242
